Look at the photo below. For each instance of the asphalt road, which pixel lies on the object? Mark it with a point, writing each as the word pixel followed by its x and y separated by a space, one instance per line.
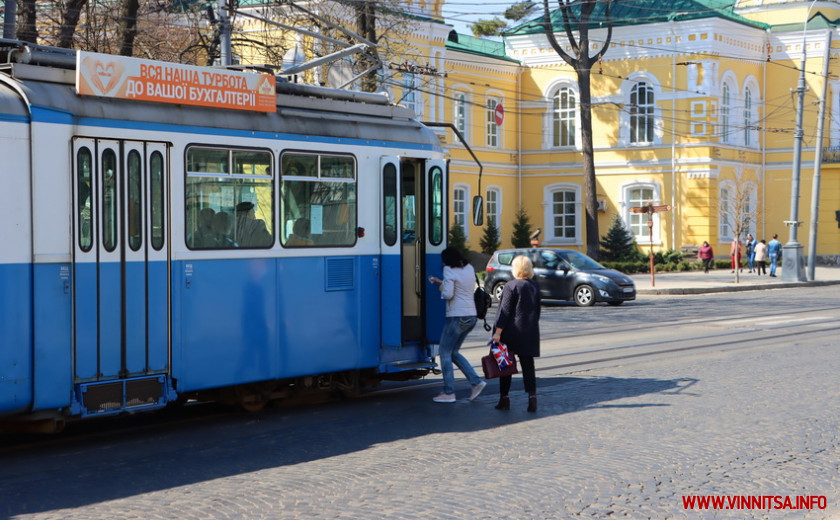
pixel 640 406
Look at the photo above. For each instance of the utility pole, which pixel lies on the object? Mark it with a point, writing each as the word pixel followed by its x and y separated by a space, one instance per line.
pixel 815 186
pixel 224 33
pixel 793 269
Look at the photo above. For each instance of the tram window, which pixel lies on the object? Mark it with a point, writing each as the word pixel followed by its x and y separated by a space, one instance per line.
pixel 84 209
pixel 389 204
pixel 135 202
pixel 317 200
pixel 230 201
pixel 436 202
pixel 109 200
pixel 156 195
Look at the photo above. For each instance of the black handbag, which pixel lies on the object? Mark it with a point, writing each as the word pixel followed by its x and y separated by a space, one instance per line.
pixel 483 301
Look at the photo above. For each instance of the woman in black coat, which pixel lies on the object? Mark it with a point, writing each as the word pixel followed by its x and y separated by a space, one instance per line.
pixel 518 327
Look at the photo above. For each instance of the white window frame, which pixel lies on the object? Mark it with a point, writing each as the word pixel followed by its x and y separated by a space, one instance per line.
pixel 410 95
pixel 725 111
pixel 624 122
pixel 549 214
pixel 642 113
pixel 492 212
pixel 751 112
pixel 628 216
pixel 460 113
pixel 492 135
pixel 726 193
pixel 461 208
pixel 564 117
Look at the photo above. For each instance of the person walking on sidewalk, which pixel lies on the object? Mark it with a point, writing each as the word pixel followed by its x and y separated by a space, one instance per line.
pixel 761 257
pixel 735 254
pixel 457 288
pixel 518 327
pixel 750 245
pixel 774 249
pixel 707 256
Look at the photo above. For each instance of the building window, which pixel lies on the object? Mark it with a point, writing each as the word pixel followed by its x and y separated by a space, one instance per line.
pixel 460 115
pixel 492 128
pixel 724 114
pixel 748 117
pixel 564 113
pixel 494 203
pixel 641 113
pixel 725 216
pixel 409 84
pixel 638 222
pixel 460 195
pixel 562 214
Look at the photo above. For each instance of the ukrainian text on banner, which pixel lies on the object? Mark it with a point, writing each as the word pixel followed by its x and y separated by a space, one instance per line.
pixel 146 80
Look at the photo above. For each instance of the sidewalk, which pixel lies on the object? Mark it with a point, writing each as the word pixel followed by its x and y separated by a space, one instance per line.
pixel 722 280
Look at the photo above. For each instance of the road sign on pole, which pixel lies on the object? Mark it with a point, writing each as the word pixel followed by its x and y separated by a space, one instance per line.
pixel 650 209
pixel 499 113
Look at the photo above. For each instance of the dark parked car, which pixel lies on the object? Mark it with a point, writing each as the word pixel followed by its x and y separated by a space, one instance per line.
pixel 563 274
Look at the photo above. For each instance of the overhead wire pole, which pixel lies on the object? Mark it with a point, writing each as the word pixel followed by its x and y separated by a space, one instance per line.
pixel 224 33
pixel 815 185
pixel 792 268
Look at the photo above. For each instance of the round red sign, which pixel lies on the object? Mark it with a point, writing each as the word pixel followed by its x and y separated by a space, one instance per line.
pixel 500 114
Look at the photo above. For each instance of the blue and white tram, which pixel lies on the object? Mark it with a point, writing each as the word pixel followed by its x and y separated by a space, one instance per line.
pixel 157 251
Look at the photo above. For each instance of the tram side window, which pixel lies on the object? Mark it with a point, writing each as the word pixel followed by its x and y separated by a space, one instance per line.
pixel 84 209
pixel 157 199
pixel 229 198
pixel 317 200
pixel 135 202
pixel 436 206
pixel 109 200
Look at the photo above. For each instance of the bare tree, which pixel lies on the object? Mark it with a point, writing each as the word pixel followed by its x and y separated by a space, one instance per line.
pixel 128 26
pixel 582 63
pixel 69 20
pixel 27 29
pixel 737 211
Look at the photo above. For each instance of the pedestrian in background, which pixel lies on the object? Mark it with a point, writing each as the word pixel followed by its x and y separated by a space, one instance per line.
pixel 518 327
pixel 761 257
pixel 774 249
pixel 707 256
pixel 457 288
pixel 735 254
pixel 750 252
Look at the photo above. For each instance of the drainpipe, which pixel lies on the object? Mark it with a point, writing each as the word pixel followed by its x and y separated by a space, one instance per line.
pixel 674 91
pixel 764 135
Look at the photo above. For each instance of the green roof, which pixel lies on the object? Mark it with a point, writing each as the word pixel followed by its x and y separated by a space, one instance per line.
pixel 818 21
pixel 470 44
pixel 640 12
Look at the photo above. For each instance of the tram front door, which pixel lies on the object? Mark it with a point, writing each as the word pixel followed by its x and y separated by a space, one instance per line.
pixel 120 272
pixel 412 238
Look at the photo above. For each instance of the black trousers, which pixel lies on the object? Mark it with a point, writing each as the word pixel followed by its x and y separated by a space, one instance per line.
pixel 529 376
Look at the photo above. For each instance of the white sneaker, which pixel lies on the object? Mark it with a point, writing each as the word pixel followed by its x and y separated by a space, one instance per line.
pixel 444 398
pixel 476 390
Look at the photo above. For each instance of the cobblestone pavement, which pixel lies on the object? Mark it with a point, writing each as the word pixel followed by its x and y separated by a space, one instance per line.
pixel 624 442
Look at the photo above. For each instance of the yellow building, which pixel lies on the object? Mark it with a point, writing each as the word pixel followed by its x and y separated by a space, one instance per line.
pixel 693 106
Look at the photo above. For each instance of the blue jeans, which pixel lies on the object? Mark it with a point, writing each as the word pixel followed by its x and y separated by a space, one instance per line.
pixel 454 332
pixel 772 265
pixel 751 261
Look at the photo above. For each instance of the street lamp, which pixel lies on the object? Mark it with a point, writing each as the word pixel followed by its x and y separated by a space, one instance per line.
pixel 793 268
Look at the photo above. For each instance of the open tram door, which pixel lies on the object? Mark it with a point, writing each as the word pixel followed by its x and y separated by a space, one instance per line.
pixel 413 235
pixel 120 276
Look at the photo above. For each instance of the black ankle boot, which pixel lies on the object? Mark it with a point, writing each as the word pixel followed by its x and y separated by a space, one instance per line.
pixel 532 403
pixel 504 403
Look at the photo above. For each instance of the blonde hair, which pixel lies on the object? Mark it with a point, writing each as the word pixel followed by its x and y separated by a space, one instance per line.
pixel 522 267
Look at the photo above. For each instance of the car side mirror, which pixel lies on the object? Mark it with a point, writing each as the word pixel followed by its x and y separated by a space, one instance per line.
pixel 478 210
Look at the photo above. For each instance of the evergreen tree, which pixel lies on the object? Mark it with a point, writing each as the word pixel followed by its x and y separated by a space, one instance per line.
pixel 458 240
pixel 490 241
pixel 618 244
pixel 521 230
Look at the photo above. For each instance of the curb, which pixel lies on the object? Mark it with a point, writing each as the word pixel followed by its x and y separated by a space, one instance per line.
pixel 735 288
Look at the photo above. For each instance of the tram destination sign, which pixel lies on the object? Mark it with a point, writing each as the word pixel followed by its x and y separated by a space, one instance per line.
pixel 121 77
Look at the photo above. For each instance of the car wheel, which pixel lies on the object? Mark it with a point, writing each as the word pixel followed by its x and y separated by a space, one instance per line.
pixel 497 290
pixel 584 296
pixel 616 303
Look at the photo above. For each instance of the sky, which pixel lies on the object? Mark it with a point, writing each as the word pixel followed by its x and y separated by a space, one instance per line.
pixel 460 13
